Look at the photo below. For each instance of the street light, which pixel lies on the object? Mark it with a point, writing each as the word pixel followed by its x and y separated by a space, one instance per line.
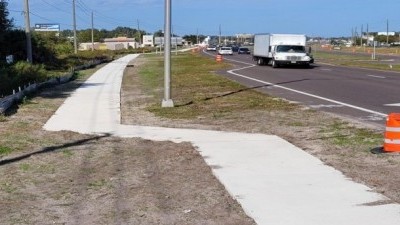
pixel 167 101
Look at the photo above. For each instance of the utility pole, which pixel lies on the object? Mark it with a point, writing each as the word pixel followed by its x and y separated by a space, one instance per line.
pixel 197 36
pixel 74 24
pixel 140 33
pixel 92 33
pixel 219 39
pixel 355 36
pixel 167 101
pixel 387 32
pixel 361 36
pixel 367 35
pixel 28 33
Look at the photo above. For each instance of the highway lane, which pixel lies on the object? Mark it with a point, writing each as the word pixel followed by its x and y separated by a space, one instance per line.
pixel 356 93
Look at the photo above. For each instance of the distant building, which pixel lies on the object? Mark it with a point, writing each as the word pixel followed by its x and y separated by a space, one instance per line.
pixel 148 40
pixel 387 33
pixel 88 46
pixel 245 38
pixel 124 41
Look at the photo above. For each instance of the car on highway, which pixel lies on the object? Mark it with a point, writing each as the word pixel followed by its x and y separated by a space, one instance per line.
pixel 211 48
pixel 225 51
pixel 234 48
pixel 243 50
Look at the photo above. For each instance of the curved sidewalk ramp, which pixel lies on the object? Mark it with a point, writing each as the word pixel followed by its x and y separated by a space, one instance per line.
pixel 274 181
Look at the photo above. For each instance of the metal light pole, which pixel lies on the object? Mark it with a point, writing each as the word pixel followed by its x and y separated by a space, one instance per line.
pixel 167 101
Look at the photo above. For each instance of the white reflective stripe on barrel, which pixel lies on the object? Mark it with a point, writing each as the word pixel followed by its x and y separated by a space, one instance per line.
pixel 393 129
pixel 392 141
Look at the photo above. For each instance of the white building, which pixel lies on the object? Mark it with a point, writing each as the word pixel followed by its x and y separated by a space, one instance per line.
pixel 88 46
pixel 124 41
pixel 387 33
pixel 148 40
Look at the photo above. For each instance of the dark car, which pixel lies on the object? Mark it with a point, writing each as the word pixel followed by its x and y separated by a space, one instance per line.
pixel 235 48
pixel 243 51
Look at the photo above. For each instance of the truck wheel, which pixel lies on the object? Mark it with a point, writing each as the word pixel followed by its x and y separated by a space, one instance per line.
pixel 274 64
pixel 260 61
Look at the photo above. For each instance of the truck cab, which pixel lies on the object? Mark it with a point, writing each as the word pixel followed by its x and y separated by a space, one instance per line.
pixel 289 55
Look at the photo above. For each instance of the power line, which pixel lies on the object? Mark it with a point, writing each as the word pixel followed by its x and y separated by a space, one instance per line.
pixel 56 7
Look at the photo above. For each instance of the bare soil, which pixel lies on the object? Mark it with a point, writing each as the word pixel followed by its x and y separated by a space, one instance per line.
pixel 70 178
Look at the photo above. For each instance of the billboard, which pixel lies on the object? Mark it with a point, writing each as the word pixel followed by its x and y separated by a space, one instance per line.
pixel 174 41
pixel 47 27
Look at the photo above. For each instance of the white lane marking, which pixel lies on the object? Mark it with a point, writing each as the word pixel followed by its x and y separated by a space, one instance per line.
pixel 325 106
pixel 393 104
pixel 382 77
pixel 301 92
pixel 297 91
pixel 324 69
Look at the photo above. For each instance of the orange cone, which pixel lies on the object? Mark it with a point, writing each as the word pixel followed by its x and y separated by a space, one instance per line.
pixel 392 133
pixel 218 58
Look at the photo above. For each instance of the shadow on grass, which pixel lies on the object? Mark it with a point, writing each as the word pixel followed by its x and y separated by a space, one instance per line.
pixel 52 149
pixel 240 90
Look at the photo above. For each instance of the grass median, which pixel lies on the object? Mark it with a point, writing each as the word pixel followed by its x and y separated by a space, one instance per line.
pixel 198 92
pixel 355 60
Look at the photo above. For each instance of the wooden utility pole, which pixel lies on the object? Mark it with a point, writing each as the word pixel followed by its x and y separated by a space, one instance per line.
pixel 140 33
pixel 387 32
pixel 92 33
pixel 28 33
pixel 74 24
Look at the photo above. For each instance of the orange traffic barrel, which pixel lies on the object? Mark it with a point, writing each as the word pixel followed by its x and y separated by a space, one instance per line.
pixel 392 133
pixel 219 58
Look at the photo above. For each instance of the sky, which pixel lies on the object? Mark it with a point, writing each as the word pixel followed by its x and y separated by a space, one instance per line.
pixel 315 18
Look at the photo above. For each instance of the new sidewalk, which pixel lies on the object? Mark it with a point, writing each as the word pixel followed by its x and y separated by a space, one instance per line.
pixel 274 181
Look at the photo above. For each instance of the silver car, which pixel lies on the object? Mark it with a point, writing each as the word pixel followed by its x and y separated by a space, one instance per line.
pixel 225 51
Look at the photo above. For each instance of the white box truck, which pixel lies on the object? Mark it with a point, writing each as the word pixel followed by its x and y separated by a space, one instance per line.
pixel 281 49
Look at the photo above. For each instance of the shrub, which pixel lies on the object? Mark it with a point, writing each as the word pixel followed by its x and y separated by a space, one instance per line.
pixel 25 72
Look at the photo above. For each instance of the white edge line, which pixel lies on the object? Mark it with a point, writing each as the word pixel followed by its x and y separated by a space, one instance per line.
pixel 296 91
pixel 382 77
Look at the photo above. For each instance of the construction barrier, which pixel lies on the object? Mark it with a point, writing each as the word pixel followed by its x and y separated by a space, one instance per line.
pixel 218 58
pixel 392 133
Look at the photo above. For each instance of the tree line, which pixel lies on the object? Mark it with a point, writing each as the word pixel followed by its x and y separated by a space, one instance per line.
pixel 52 52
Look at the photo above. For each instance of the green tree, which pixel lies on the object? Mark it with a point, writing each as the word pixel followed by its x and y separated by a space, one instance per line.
pixel 86 35
pixel 5 23
pixel 193 38
pixel 159 33
pixel 383 38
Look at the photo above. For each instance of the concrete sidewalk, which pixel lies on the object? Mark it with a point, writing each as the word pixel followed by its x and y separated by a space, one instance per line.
pixel 274 181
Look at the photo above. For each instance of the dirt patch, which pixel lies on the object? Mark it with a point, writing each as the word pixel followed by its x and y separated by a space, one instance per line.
pixel 70 178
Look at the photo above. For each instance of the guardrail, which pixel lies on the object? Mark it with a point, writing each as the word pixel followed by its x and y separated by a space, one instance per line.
pixel 17 96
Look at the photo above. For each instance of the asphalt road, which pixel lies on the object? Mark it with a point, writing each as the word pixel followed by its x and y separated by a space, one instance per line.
pixel 362 94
